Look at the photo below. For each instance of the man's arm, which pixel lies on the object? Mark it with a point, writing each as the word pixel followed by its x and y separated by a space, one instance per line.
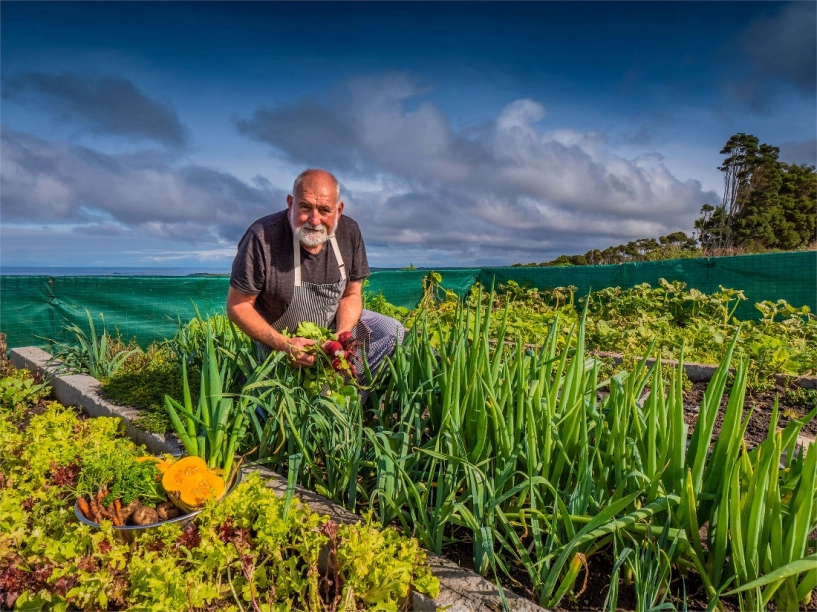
pixel 241 311
pixel 350 307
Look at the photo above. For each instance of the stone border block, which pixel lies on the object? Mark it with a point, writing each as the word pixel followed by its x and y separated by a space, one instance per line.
pixel 460 590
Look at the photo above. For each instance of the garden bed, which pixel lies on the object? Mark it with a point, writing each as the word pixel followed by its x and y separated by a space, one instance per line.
pixel 791 406
pixel 461 589
pixel 509 452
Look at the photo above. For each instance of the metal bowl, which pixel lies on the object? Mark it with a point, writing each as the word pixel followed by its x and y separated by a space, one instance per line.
pixel 128 532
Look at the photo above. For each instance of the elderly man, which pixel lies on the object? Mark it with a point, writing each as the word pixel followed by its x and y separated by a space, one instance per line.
pixel 306 263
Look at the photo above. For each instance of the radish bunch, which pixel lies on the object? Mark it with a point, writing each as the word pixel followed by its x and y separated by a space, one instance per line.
pixel 342 354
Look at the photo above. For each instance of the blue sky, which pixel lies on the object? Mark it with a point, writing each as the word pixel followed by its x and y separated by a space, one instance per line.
pixel 144 134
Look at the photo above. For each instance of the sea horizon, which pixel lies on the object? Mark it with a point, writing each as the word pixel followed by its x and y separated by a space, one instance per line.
pixel 109 270
pixel 127 271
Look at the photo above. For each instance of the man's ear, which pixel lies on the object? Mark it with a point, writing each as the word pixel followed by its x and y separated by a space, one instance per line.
pixel 340 208
pixel 290 200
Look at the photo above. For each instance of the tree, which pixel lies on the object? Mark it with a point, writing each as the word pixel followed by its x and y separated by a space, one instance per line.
pixel 741 151
pixel 767 204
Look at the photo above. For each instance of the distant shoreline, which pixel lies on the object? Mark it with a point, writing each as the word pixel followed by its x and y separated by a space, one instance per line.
pixel 125 271
pixel 108 271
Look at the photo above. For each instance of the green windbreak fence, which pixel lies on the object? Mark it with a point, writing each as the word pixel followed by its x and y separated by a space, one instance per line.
pixel 149 308
pixel 773 276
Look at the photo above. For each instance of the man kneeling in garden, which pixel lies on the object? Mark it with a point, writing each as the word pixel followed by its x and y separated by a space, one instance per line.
pixel 285 274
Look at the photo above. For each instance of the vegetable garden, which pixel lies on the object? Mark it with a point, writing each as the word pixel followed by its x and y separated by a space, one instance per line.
pixel 495 434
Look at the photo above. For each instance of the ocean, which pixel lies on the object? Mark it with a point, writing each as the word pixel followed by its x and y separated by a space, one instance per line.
pixel 117 271
pixel 109 271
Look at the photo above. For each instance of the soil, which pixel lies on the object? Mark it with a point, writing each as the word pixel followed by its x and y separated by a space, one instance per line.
pixel 763 402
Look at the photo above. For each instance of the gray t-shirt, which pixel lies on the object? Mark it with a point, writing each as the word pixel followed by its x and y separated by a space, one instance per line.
pixel 265 266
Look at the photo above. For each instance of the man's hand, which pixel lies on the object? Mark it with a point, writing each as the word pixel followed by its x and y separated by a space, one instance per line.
pixel 241 310
pixel 294 347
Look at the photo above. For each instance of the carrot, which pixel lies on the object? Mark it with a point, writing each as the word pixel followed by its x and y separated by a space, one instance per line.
pixel 106 512
pixel 117 510
pixel 95 511
pixel 84 508
pixel 100 511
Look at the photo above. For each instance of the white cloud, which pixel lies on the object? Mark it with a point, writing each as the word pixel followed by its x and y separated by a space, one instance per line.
pixel 510 185
pixel 54 182
pixel 511 191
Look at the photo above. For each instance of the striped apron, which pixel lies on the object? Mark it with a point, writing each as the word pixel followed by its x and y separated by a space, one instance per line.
pixel 318 304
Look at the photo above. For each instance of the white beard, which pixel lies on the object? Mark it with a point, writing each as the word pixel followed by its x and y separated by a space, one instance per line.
pixel 312 236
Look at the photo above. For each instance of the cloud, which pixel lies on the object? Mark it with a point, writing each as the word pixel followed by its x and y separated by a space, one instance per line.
pixel 57 183
pixel 799 152
pixel 512 190
pixel 109 104
pixel 512 187
pixel 777 49
pixel 74 246
pixel 100 229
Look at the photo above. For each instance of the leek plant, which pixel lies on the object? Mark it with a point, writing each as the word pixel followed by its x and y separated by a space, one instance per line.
pixel 651 567
pixel 215 427
pixel 518 449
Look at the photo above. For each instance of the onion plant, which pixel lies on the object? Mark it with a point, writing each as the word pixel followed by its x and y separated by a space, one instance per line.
pixel 518 451
pixel 215 427
pixel 90 353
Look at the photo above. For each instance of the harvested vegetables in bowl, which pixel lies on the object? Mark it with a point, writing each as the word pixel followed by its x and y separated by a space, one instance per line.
pixel 133 491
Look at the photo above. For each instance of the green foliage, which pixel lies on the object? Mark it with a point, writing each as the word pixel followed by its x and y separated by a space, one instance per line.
pixel 214 427
pixel 672 246
pixel 136 480
pixel 650 565
pixel 513 446
pixel 668 317
pixel 19 391
pixel 767 204
pixel 99 355
pixel 800 396
pixel 248 552
pixel 144 380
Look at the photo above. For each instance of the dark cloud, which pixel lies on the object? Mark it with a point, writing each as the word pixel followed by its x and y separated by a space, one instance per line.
pixel 775 50
pixel 365 127
pixel 295 128
pixel 802 152
pixel 45 182
pixel 106 105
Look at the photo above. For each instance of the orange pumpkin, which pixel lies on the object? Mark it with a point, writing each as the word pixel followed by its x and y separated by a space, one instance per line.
pixel 189 484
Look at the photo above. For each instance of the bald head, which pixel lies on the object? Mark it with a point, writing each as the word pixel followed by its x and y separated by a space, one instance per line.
pixel 314 207
pixel 312 177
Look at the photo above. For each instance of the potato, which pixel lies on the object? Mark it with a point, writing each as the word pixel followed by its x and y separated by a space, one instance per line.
pixel 166 511
pixel 145 515
pixel 127 511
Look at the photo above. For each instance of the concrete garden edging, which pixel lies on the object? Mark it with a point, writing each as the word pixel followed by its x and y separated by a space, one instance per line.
pixel 460 590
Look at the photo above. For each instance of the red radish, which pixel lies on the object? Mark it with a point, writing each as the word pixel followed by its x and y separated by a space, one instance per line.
pixel 345 338
pixel 334 349
pixel 336 365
